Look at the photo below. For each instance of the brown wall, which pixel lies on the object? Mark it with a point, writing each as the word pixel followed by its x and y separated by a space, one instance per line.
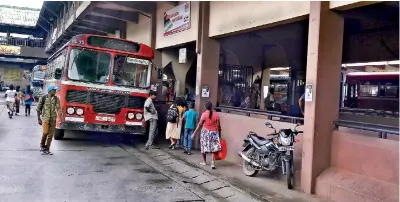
pixel 180 37
pixel 370 156
pixel 236 127
pixel 232 16
pixel 139 32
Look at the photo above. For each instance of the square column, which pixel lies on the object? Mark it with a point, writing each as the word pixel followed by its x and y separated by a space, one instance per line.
pixel 324 59
pixel 208 51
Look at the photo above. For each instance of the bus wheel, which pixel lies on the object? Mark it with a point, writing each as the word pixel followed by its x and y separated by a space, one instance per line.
pixel 59 134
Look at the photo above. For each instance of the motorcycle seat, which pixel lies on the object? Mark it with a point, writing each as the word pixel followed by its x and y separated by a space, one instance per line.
pixel 259 140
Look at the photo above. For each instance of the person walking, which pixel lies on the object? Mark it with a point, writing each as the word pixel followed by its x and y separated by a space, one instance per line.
pixel 28 98
pixel 18 99
pixel 10 100
pixel 191 118
pixel 151 116
pixel 47 111
pixel 210 134
pixel 181 105
pixel 172 131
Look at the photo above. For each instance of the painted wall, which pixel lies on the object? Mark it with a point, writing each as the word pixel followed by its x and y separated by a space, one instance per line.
pixel 139 32
pixel 12 74
pixel 363 168
pixel 228 17
pixel 177 38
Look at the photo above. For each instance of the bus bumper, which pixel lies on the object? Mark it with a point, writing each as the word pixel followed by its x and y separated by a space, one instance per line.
pixel 126 129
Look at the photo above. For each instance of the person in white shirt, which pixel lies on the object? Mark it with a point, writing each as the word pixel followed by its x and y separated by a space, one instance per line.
pixel 10 100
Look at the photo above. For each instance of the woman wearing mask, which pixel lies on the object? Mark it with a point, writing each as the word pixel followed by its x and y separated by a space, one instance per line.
pixel 28 100
pixel 210 134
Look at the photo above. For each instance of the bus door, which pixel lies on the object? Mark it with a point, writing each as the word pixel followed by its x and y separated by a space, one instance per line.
pixel 351 96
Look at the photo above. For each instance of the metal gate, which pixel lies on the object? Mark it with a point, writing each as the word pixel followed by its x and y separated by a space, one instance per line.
pixel 238 77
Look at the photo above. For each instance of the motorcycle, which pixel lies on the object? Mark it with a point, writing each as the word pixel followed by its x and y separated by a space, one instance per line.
pixel 261 154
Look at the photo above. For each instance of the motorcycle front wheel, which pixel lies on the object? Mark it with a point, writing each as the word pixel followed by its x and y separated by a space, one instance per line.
pixel 289 174
pixel 249 169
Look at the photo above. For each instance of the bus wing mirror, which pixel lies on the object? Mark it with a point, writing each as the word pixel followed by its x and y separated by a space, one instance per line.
pixel 58 73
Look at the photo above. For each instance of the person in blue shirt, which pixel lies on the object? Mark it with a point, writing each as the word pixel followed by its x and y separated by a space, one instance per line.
pixel 28 100
pixel 191 117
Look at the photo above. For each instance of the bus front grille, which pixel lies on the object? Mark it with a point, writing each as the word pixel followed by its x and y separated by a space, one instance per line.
pixel 135 102
pixel 77 96
pixel 106 103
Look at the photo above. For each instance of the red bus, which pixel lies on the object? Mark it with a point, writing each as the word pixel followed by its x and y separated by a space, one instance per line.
pixel 103 82
pixel 373 90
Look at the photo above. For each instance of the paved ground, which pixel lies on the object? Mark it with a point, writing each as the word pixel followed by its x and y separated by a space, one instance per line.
pixel 81 169
pixel 92 167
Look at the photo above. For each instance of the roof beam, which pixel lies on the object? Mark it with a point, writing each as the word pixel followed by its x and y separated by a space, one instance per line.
pixel 119 15
pixel 91 29
pixel 118 24
pixel 96 26
pixel 143 7
pixel 52 12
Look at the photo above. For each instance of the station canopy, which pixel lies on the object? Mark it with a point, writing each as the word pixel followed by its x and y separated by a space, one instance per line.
pixel 18 15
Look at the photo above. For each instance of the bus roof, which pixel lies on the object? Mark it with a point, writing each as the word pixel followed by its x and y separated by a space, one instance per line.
pixel 81 40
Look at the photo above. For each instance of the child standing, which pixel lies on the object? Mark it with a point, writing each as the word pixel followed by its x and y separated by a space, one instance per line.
pixel 192 118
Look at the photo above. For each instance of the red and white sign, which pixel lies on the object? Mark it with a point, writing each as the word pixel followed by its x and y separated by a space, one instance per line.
pixel 177 19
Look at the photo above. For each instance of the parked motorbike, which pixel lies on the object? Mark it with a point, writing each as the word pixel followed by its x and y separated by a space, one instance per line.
pixel 261 154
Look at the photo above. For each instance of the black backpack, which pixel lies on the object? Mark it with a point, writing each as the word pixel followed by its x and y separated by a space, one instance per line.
pixel 172 115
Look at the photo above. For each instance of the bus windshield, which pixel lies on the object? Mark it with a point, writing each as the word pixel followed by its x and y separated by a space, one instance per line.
pixel 132 72
pixel 89 66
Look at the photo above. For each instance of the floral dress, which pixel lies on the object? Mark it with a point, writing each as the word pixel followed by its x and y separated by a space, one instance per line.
pixel 210 137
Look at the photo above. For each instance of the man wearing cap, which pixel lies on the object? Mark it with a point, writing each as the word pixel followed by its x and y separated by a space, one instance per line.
pixel 47 110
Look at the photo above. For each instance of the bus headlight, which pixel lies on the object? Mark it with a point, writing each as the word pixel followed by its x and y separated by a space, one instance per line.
pixel 79 111
pixel 131 115
pixel 139 116
pixel 70 110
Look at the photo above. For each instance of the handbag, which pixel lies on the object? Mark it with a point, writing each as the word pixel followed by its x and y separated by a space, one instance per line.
pixel 221 155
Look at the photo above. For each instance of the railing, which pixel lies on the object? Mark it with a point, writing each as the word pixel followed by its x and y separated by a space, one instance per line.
pixel 382 130
pixel 370 112
pixel 269 114
pixel 22 42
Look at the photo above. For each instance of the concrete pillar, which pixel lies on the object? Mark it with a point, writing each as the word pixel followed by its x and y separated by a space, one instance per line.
pixel 266 81
pixel 208 51
pixel 180 70
pixel 325 40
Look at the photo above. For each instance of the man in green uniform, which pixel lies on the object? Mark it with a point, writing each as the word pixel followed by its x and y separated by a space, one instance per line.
pixel 47 111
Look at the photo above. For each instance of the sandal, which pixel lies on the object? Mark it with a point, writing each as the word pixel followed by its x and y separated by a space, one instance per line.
pixel 212 165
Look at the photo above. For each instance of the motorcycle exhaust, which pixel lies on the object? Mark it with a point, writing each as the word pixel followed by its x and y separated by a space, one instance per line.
pixel 248 160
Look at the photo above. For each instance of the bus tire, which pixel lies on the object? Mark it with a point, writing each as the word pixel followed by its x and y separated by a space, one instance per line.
pixel 59 134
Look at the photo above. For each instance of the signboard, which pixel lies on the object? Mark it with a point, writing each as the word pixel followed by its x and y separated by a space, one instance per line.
pixel 10 50
pixel 182 55
pixel 177 19
pixel 308 95
pixel 205 91
pixel 137 61
pixel 115 44
pixel 12 74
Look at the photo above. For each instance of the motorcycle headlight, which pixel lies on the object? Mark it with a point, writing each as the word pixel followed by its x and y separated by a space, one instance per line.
pixel 79 111
pixel 285 140
pixel 131 115
pixel 139 116
pixel 70 110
